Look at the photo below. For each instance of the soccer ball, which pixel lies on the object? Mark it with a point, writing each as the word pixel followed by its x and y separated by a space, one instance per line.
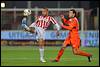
pixel 27 12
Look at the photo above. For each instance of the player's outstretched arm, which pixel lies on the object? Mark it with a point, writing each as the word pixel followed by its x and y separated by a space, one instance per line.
pixel 65 21
pixel 58 29
pixel 56 25
pixel 70 26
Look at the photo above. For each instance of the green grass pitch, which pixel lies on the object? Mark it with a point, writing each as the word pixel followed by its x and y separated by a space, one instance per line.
pixel 29 56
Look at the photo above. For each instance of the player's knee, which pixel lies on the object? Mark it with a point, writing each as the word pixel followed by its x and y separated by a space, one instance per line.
pixel 63 48
pixel 75 52
pixel 41 41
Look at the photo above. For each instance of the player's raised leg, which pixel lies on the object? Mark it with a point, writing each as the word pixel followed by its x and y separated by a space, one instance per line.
pixel 77 51
pixel 26 28
pixel 24 24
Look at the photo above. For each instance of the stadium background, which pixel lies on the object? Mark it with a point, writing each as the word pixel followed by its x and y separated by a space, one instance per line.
pixel 13 35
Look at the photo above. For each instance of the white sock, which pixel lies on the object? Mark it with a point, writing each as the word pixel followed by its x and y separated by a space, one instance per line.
pixel 41 53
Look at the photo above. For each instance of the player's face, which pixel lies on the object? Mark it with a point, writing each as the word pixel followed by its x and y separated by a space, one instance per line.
pixel 44 12
pixel 71 14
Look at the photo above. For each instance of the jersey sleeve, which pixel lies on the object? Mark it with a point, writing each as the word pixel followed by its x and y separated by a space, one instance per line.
pixel 55 23
pixel 53 20
pixel 72 24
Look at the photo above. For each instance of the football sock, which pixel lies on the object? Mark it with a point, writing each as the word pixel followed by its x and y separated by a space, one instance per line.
pixel 24 22
pixel 82 53
pixel 60 53
pixel 41 53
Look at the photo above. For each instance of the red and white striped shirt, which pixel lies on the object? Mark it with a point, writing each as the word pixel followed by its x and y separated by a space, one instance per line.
pixel 44 22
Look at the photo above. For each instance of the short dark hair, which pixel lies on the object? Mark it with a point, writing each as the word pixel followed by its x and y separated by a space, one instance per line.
pixel 74 11
pixel 45 8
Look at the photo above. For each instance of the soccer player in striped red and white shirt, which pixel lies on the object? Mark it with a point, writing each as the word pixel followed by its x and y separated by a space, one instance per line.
pixel 40 25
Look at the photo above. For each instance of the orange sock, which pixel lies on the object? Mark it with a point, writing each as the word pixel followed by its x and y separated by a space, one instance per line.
pixel 60 54
pixel 82 53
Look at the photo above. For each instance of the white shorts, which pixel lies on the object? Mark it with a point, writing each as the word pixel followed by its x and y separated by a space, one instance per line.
pixel 40 32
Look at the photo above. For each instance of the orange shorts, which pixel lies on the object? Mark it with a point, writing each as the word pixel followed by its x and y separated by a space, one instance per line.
pixel 74 42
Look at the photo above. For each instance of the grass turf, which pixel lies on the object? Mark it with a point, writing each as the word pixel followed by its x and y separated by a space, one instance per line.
pixel 29 56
